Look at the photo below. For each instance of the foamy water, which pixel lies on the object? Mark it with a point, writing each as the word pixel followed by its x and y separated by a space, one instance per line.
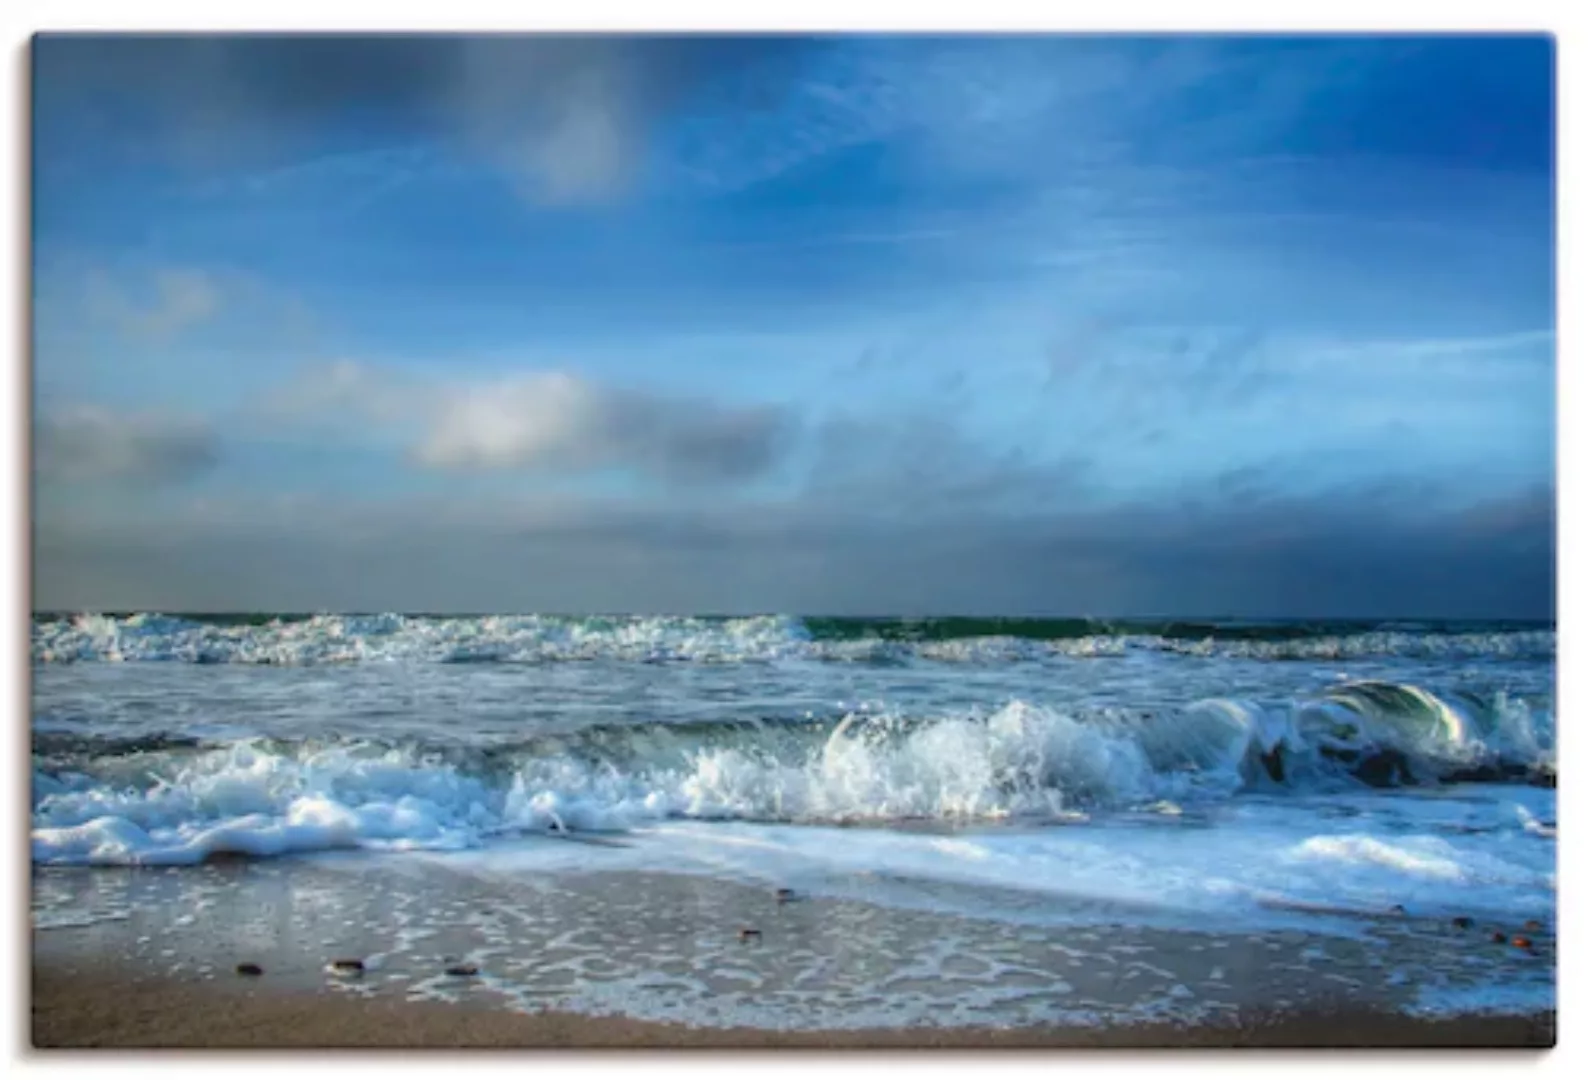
pixel 1170 775
pixel 341 639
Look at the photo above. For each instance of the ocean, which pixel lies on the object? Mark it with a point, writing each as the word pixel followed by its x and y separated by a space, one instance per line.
pixel 1027 795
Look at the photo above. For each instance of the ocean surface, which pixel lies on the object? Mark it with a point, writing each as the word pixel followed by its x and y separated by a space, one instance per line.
pixel 1207 775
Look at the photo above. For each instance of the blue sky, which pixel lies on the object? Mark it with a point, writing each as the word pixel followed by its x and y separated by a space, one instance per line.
pixel 1094 325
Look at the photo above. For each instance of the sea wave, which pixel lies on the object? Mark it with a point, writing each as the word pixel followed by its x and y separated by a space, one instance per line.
pixel 177 800
pixel 390 638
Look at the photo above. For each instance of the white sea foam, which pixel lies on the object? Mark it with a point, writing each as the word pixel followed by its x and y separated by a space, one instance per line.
pixel 331 639
pixel 341 639
pixel 1020 762
pixel 1428 857
pixel 1533 825
pixel 1519 998
pixel 1265 862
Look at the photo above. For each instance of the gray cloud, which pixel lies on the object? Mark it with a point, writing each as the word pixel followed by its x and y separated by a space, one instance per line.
pixel 562 422
pixel 915 466
pixel 568 116
pixel 548 421
pixel 89 444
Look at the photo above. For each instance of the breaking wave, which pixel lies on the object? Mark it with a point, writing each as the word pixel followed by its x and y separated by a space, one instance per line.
pixel 179 800
pixel 298 640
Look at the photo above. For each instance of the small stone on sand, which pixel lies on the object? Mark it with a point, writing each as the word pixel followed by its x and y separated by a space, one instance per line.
pixel 250 969
pixel 347 967
pixel 1497 937
pixel 463 970
pixel 214 858
pixel 749 934
pixel 1461 922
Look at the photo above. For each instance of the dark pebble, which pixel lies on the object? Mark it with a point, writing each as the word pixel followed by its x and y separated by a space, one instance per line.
pixel 1497 937
pixel 348 967
pixel 785 895
pixel 1461 922
pixel 463 970
pixel 223 858
pixel 747 934
pixel 1521 942
pixel 250 969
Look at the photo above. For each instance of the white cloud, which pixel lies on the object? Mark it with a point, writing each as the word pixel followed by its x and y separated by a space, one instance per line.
pixel 550 421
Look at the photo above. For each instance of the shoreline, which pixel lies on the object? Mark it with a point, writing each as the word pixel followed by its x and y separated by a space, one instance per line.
pixel 79 1007
pixel 149 958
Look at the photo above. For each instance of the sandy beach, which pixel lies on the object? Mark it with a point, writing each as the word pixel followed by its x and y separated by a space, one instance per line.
pixel 149 958
pixel 81 1008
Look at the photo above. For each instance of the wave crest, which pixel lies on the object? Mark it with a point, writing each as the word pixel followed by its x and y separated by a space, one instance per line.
pixel 390 638
pixel 175 803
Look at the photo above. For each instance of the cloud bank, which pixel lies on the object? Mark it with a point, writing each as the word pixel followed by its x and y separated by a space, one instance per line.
pixel 1389 553
pixel 753 508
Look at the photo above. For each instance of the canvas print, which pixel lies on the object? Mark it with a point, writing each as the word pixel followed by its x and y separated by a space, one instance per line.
pixel 793 541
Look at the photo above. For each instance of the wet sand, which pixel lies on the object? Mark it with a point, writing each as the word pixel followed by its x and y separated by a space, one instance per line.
pixel 148 958
pixel 107 1008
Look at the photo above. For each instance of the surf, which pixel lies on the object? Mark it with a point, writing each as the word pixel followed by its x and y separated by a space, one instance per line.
pixel 176 799
pixel 298 641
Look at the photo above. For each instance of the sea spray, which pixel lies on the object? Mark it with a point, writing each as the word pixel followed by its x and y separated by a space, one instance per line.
pixel 97 801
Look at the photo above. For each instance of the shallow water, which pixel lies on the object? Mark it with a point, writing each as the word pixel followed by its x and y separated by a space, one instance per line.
pixel 668 947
